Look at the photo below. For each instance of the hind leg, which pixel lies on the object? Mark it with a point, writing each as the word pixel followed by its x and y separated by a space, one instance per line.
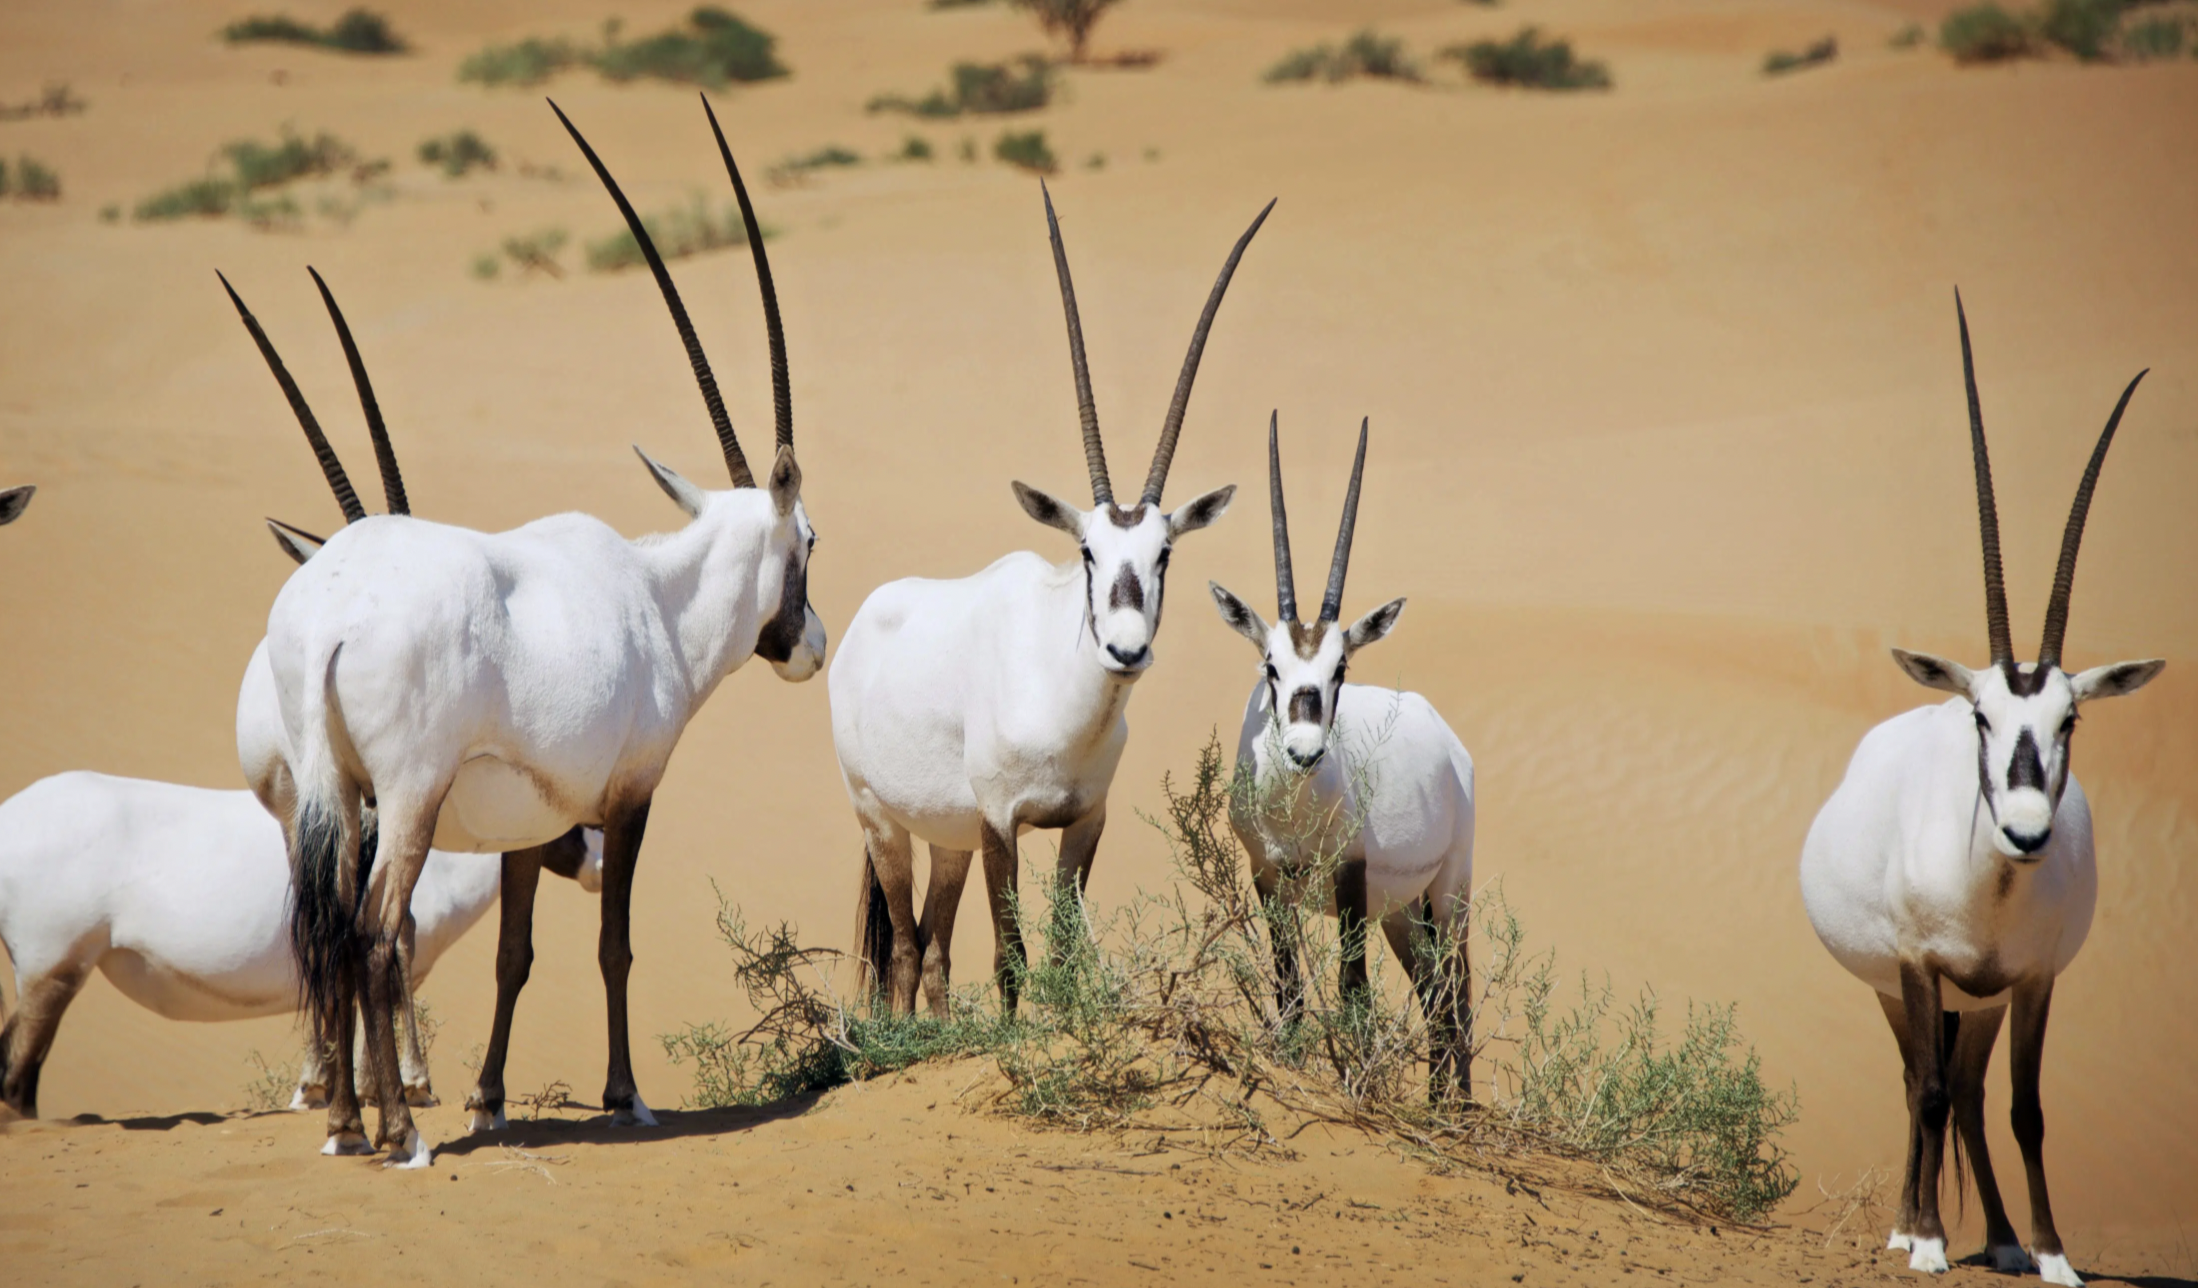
pixel 514 962
pixel 386 992
pixel 28 1035
pixel 892 864
pixel 942 898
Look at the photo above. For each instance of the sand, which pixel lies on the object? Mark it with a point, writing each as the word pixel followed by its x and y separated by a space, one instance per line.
pixel 1667 448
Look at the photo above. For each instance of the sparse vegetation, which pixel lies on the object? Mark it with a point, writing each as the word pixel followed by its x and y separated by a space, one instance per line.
pixel 714 48
pixel 1366 53
pixel 2155 37
pixel 54 100
pixel 1026 150
pixel 915 147
pixel 358 31
pixel 794 171
pixel 1529 61
pixel 1024 84
pixel 1164 1014
pixel 1779 62
pixel 1907 37
pixel 534 252
pixel 1984 33
pixel 271 1087
pixel 2084 28
pixel 487 266
pixel 254 170
pixel 1073 19
pixel 29 180
pixel 677 233
pixel 458 153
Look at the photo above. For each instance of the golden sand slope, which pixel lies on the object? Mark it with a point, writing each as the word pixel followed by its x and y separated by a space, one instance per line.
pixel 1668 446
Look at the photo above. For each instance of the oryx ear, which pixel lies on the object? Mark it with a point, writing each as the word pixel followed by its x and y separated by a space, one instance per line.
pixel 14 501
pixel 1201 511
pixel 295 542
pixel 1239 615
pixel 1048 511
pixel 1373 626
pixel 785 481
pixel 685 495
pixel 1934 672
pixel 2115 680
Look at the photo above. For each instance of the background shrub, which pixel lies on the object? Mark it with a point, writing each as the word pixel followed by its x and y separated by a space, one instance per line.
pixel 2082 27
pixel 526 62
pixel 715 48
pixel 1528 60
pixel 358 31
pixel 1071 18
pixel 2156 37
pixel 1026 150
pixel 1779 62
pixel 254 171
pixel 1984 33
pixel 678 232
pixel 1019 85
pixel 1366 53
pixel 458 153
pixel 30 180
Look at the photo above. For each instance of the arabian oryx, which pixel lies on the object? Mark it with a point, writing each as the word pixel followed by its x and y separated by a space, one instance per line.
pixel 1369 780
pixel 15 500
pixel 967 712
pixel 181 896
pixel 1952 871
pixel 489 691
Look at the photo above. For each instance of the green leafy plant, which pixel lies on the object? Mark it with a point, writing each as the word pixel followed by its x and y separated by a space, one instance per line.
pixel 1367 53
pixel 521 63
pixel 2156 37
pixel 715 48
pixel 795 170
pixel 1072 19
pixel 31 180
pixel 2084 28
pixel 487 266
pixel 536 252
pixel 358 31
pixel 914 148
pixel 1026 150
pixel 458 153
pixel 677 233
pixel 1019 85
pixel 1779 62
pixel 253 170
pixel 1984 33
pixel 1529 61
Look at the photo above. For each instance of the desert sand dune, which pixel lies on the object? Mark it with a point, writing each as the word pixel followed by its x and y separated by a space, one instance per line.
pixel 1668 446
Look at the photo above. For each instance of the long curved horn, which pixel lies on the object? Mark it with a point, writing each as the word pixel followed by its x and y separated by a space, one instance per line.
pixel 1285 578
pixel 1331 604
pixel 1988 517
pixel 384 454
pixel 1095 452
pixel 331 468
pixel 1172 428
pixel 735 462
pixel 2064 577
pixel 782 391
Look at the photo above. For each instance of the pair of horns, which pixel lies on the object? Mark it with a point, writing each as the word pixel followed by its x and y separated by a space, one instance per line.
pixel 782 398
pixel 1331 604
pixel 1988 521
pixel 1095 455
pixel 338 482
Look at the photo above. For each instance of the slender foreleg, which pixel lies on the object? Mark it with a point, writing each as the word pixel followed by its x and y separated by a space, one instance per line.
pixel 892 860
pixel 1972 1057
pixel 1072 874
pixel 1904 1221
pixel 1929 1104
pixel 1351 929
pixel 614 952
pixel 942 899
pixel 514 962
pixel 1009 959
pixel 2026 1055
pixel 1280 913
pixel 28 1035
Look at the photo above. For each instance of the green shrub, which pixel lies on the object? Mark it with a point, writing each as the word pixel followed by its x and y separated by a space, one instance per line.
pixel 526 62
pixel 1528 60
pixel 2154 38
pixel 1071 18
pixel 1907 37
pixel 677 233
pixel 1026 150
pixel 31 181
pixel 209 197
pixel 2082 27
pixel 1021 85
pixel 486 267
pixel 257 165
pixel 714 49
pixel 254 168
pixel 1366 53
pixel 54 100
pixel 794 170
pixel 1779 62
pixel 458 153
pixel 358 31
pixel 1984 33
pixel 536 252
pixel 914 148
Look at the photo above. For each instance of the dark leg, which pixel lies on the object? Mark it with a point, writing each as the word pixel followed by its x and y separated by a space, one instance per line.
pixel 1008 958
pixel 1904 1222
pixel 942 899
pixel 28 1034
pixel 890 872
pixel 1972 1057
pixel 614 952
pixel 2026 1054
pixel 1351 928
pixel 514 962
pixel 1282 933
pixel 1435 958
pixel 1928 1106
pixel 346 1125
pixel 1080 844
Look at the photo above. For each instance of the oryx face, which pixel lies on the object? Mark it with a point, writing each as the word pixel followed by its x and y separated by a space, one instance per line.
pixel 1125 554
pixel 2025 716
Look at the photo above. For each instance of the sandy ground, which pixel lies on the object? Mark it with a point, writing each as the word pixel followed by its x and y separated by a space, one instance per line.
pixel 1668 446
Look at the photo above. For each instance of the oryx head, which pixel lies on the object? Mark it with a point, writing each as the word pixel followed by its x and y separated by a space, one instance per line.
pixel 1125 549
pixel 2025 713
pixel 792 636
pixel 1305 663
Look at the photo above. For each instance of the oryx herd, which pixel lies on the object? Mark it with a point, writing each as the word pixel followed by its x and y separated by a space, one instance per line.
pixel 437 714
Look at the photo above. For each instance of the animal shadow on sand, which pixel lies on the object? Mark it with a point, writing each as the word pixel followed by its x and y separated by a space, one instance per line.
pixel 164 1122
pixel 672 1124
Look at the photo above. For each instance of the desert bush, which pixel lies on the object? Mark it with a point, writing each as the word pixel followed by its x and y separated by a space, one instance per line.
pixel 536 252
pixel 487 266
pixel 271 1087
pixel 1073 19
pixel 677 233
pixel 1366 53
pixel 30 180
pixel 1779 62
pixel 2084 28
pixel 2155 37
pixel 1019 85
pixel 914 147
pixel 1530 61
pixel 458 153
pixel 358 31
pixel 1984 33
pixel 1026 150
pixel 53 100
pixel 795 170
pixel 1907 37
pixel 525 62
pixel 209 197
pixel 258 165
pixel 254 170
pixel 714 49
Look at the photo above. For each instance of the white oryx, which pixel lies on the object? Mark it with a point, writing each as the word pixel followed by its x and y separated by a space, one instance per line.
pixel 967 712
pixel 1391 811
pixel 490 691
pixel 1952 871
pixel 181 896
pixel 15 500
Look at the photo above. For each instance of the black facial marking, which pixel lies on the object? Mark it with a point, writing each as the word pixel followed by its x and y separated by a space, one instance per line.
pixel 780 636
pixel 2026 769
pixel 1305 638
pixel 2024 684
pixel 1305 706
pixel 1126 592
pixel 1122 518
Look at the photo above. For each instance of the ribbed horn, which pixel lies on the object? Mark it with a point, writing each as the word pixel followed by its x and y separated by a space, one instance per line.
pixel 1331 604
pixel 384 454
pixel 782 390
pixel 735 462
pixel 331 468
pixel 2064 577
pixel 1087 413
pixel 1285 578
pixel 1988 517
pixel 1172 428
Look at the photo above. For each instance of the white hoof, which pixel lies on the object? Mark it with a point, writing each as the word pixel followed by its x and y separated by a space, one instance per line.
pixel 483 1120
pixel 414 1154
pixel 638 1116
pixel 2010 1259
pixel 2053 1267
pixel 1929 1256
pixel 421 1096
pixel 1900 1242
pixel 344 1143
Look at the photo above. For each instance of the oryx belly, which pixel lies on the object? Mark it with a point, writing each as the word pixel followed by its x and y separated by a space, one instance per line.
pixel 494 805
